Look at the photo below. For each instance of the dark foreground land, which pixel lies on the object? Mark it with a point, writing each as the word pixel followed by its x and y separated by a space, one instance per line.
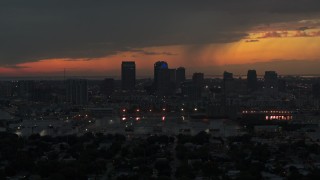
pixel 115 156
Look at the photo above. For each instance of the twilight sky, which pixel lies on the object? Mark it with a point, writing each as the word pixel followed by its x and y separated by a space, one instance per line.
pixel 92 37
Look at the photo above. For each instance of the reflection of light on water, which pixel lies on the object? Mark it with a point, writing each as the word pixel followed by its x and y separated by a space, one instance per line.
pixel 43 133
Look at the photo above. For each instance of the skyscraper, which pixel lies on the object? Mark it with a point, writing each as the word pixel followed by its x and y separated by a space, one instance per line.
pixel 128 75
pixel 193 90
pixel 316 90
pixel 252 81
pixel 180 75
pixel 271 79
pixel 198 79
pixel 77 91
pixel 227 76
pixel 166 81
pixel 157 67
pixel 270 76
pixel 228 82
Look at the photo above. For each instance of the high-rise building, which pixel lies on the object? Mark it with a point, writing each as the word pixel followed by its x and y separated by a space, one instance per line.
pixel 316 90
pixel 271 79
pixel 180 75
pixel 227 76
pixel 252 81
pixel 166 81
pixel 77 91
pixel 160 65
pixel 228 82
pixel 128 75
pixel 270 76
pixel 198 79
pixel 193 89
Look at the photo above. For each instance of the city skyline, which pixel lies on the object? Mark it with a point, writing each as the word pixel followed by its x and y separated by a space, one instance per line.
pixel 214 72
pixel 93 38
pixel 160 90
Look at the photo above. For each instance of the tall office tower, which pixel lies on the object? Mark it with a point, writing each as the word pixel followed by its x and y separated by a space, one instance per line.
pixel 228 82
pixel 180 75
pixel 157 67
pixel 270 76
pixel 193 90
pixel 166 79
pixel 77 91
pixel 271 79
pixel 227 76
pixel 252 82
pixel 128 75
pixel 316 90
pixel 198 79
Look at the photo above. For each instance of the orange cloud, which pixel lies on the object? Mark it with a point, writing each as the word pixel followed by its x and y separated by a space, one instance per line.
pixel 194 58
pixel 274 34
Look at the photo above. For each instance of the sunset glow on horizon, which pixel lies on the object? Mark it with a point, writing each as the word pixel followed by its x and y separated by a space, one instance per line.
pixel 242 52
pixel 209 38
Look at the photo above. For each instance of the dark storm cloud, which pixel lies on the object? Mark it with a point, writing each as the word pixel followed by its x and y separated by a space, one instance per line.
pixel 39 29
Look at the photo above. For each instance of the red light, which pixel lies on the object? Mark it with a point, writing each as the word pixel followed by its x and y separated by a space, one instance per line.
pixel 163 118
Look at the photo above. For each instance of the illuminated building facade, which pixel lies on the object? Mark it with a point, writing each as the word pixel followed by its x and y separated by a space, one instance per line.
pixel 269 115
